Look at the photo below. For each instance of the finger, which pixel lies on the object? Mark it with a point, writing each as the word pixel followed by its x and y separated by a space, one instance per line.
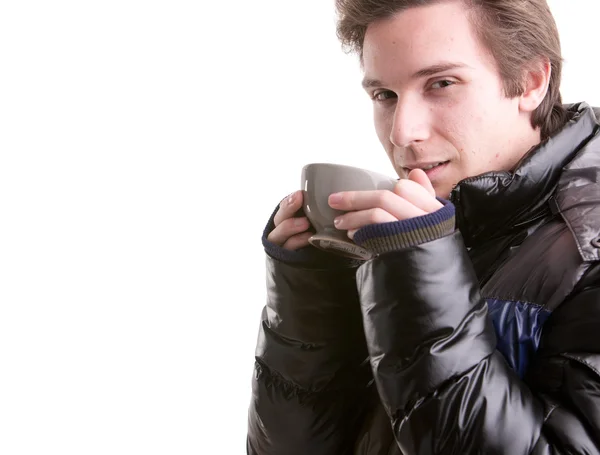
pixel 419 176
pixel 298 241
pixel 355 220
pixel 385 200
pixel 288 207
pixel 417 195
pixel 288 228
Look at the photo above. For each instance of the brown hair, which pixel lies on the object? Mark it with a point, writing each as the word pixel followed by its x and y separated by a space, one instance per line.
pixel 516 32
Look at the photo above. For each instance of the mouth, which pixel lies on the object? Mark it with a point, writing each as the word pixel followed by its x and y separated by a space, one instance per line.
pixel 431 169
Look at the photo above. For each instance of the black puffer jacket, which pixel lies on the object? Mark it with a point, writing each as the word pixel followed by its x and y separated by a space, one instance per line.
pixel 486 341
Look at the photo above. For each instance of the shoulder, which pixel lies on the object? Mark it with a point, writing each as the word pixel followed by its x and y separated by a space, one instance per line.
pixel 577 199
pixel 543 270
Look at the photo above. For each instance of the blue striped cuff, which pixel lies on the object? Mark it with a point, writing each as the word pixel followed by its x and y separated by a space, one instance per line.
pixel 308 256
pixel 397 235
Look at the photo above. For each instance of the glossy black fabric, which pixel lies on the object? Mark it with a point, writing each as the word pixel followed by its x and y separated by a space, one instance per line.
pixel 400 356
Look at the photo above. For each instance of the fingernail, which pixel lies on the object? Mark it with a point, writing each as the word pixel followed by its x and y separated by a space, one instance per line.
pixel 290 199
pixel 335 198
pixel 299 222
pixel 338 221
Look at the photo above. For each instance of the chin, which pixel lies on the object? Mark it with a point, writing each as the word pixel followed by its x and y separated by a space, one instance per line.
pixel 401 173
pixel 443 191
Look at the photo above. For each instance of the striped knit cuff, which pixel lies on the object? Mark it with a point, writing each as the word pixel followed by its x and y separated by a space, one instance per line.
pixel 309 256
pixel 397 235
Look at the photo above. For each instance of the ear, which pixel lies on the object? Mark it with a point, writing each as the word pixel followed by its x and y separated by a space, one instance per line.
pixel 536 80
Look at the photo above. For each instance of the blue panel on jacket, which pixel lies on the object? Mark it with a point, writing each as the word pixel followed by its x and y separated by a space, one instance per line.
pixel 518 328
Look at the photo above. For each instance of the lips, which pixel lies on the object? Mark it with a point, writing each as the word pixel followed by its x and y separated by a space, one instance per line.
pixel 435 171
pixel 425 166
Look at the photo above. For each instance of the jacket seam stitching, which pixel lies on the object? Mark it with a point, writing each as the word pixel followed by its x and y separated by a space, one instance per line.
pixel 581 361
pixel 550 411
pixel 276 377
pixel 524 302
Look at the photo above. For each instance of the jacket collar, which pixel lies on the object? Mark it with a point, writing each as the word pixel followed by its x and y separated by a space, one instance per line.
pixel 492 204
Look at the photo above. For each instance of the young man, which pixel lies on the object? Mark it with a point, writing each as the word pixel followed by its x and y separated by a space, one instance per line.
pixel 477 339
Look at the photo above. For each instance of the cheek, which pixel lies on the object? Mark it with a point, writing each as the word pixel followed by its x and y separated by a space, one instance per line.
pixel 452 128
pixel 383 127
pixel 467 131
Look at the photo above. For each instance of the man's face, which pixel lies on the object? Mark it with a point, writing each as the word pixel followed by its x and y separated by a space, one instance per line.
pixel 438 97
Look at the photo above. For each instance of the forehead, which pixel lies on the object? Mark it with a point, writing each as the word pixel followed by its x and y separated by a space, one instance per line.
pixel 423 36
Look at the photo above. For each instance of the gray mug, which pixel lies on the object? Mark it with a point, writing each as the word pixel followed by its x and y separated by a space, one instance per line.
pixel 319 180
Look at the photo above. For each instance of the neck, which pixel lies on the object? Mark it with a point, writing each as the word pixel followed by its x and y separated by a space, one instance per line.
pixel 524 145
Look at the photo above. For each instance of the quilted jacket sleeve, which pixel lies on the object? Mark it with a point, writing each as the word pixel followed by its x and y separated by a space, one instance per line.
pixel 311 373
pixel 443 384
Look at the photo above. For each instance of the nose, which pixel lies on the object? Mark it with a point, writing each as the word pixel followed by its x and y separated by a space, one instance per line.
pixel 410 124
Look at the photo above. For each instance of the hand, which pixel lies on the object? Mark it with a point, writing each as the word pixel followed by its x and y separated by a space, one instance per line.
pixel 410 198
pixel 290 233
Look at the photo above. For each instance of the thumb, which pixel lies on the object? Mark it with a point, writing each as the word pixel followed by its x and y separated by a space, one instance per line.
pixel 419 176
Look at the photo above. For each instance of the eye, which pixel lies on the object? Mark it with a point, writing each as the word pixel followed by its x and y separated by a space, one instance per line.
pixel 383 95
pixel 442 84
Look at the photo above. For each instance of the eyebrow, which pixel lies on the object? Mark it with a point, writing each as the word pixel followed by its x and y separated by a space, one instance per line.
pixel 424 72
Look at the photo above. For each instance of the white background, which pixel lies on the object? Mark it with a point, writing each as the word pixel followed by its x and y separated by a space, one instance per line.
pixel 143 146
